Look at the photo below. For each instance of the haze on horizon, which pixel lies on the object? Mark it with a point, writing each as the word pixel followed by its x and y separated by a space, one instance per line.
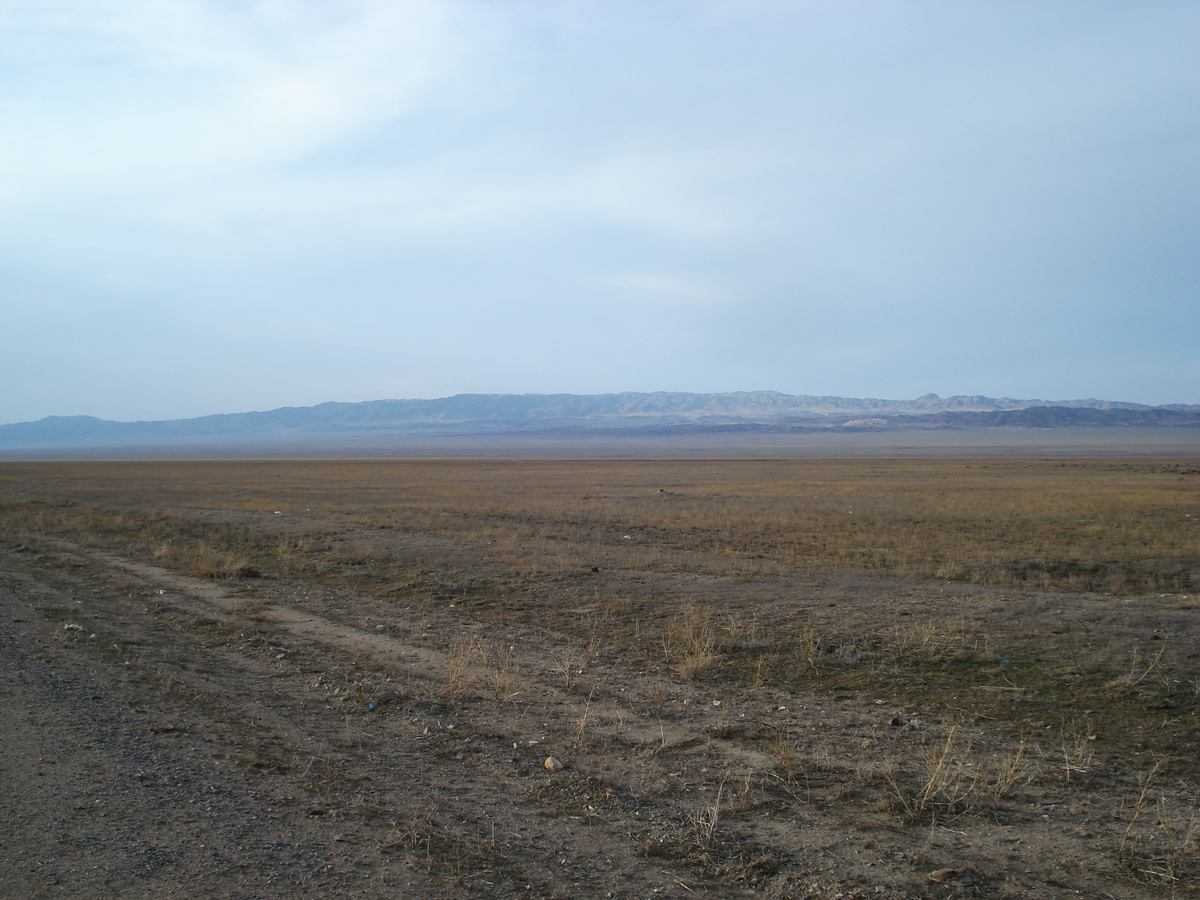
pixel 211 207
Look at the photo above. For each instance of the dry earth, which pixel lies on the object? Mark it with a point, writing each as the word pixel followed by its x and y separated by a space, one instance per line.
pixel 167 736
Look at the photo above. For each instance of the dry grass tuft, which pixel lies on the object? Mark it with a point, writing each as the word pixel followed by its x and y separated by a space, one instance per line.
pixel 501 673
pixel 464 656
pixel 1008 771
pixel 690 643
pixel 202 560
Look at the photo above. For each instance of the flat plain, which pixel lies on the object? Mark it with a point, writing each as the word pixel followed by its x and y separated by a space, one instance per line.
pixel 809 678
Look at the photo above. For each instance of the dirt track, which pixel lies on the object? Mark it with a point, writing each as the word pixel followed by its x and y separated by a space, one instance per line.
pixel 167 736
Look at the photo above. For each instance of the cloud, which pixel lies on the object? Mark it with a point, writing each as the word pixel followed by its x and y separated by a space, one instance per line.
pixel 742 195
pixel 133 93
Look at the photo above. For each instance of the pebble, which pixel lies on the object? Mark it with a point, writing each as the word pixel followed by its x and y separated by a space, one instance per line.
pixel 553 764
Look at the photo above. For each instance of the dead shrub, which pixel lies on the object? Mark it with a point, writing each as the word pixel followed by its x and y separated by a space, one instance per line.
pixel 948 784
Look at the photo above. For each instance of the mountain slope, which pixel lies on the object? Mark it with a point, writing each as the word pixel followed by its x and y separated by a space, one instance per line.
pixel 494 413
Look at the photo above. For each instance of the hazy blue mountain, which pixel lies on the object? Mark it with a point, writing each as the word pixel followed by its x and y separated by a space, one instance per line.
pixel 532 413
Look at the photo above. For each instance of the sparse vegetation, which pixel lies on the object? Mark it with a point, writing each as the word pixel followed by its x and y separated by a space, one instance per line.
pixel 1112 527
pixel 884 647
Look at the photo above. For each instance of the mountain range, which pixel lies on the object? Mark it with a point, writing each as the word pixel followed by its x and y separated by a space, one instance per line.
pixel 660 412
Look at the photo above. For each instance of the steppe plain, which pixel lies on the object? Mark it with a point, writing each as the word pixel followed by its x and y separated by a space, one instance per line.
pixel 796 678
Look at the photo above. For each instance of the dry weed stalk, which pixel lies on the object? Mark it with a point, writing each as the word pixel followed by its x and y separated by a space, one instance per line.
pixel 742 797
pixel 415 835
pixel 1179 856
pixel 502 674
pixel 585 718
pixel 948 782
pixel 459 663
pixel 1168 850
pixel 1006 771
pixel 691 642
pixel 760 674
pixel 568 666
pixel 740 629
pixel 808 647
pixel 784 748
pixel 1078 750
pixel 594 641
pixel 1144 781
pixel 703 821
pixel 1133 679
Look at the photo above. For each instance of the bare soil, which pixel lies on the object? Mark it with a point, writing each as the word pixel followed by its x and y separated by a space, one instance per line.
pixel 280 734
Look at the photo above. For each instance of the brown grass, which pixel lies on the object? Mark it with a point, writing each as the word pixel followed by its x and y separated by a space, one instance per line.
pixel 1121 527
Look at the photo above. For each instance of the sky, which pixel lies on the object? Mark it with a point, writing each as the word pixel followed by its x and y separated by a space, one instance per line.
pixel 212 206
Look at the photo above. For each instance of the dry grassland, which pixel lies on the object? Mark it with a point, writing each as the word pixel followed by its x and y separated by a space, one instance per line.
pixel 1023 631
pixel 1119 527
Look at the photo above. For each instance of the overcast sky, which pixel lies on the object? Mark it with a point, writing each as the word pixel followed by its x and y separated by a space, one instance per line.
pixel 234 205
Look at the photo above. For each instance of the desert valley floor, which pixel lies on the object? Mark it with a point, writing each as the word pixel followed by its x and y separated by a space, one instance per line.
pixel 651 679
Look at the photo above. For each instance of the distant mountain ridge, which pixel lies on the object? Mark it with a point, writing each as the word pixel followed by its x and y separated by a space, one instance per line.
pixel 533 413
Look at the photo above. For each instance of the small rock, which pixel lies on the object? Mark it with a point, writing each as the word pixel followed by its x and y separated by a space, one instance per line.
pixel 941 876
pixel 553 764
